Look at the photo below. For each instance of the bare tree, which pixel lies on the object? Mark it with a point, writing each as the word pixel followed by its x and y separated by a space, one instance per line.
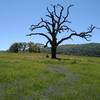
pixel 55 24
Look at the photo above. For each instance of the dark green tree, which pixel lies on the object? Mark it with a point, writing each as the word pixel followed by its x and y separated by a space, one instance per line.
pixel 24 47
pixel 14 47
pixel 31 47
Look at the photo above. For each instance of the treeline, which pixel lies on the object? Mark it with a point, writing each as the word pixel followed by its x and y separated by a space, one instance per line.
pixel 91 49
pixel 24 47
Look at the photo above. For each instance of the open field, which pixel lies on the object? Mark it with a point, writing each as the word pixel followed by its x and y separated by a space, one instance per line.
pixel 25 76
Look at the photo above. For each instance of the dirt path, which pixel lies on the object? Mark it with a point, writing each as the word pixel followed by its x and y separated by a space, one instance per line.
pixel 70 76
pixel 59 88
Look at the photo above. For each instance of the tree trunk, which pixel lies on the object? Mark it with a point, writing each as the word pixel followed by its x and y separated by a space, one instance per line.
pixel 53 52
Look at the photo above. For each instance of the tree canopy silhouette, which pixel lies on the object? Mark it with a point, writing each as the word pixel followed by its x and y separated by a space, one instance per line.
pixel 56 24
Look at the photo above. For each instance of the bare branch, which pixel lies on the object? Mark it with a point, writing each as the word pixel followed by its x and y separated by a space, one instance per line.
pixel 59 19
pixel 62 19
pixel 46 44
pixel 62 8
pixel 84 35
pixel 65 17
pixel 33 27
pixel 57 24
pixel 54 11
pixel 50 13
pixel 69 37
pixel 47 25
pixel 68 10
pixel 42 34
pixel 87 35
pixel 42 24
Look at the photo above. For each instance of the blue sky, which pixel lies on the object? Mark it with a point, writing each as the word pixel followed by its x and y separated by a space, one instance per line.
pixel 16 16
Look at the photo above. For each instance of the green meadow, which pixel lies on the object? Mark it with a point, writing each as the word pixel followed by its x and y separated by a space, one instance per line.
pixel 32 76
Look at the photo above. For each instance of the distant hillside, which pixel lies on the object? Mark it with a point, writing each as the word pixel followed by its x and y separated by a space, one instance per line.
pixel 91 49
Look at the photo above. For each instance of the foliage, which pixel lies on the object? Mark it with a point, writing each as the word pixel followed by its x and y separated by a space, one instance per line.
pixel 24 47
pixel 14 47
pixel 33 47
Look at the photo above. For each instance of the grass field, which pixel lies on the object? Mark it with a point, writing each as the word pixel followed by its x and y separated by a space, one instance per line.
pixel 34 77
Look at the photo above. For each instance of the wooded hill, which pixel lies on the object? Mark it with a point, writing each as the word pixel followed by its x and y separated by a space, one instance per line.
pixel 91 49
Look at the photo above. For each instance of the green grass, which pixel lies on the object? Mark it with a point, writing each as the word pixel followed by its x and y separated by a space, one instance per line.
pixel 25 76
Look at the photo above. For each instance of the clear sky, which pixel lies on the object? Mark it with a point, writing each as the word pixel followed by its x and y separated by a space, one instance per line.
pixel 16 16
